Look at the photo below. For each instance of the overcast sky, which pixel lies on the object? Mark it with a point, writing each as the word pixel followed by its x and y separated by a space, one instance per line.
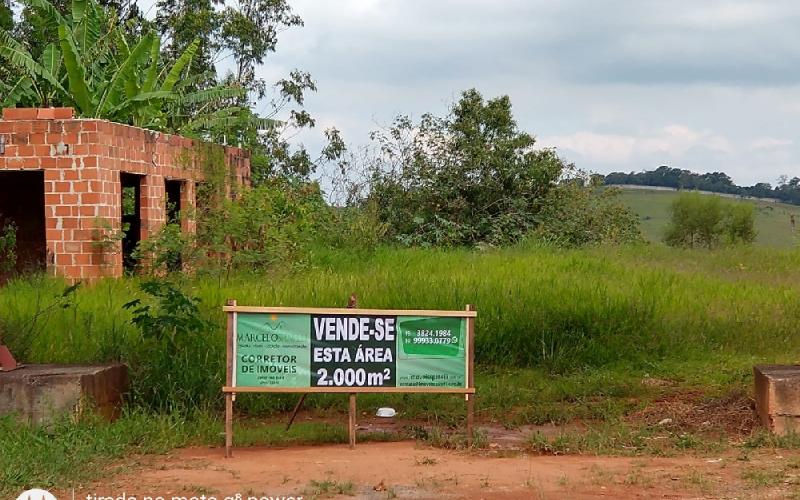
pixel 613 85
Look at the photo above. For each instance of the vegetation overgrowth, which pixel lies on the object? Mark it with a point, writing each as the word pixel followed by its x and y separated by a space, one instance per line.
pixel 562 336
pixel 578 320
pixel 562 311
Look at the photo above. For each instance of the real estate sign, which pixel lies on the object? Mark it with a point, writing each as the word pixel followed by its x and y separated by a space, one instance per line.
pixel 296 349
pixel 334 348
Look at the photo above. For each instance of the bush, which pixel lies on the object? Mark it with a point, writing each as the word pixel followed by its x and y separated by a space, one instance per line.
pixel 354 228
pixel 471 177
pixel 167 250
pixel 740 227
pixel 708 221
pixel 8 247
pixel 181 357
pixel 265 226
pixel 576 216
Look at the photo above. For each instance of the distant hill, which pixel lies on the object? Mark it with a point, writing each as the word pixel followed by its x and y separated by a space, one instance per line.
pixel 773 220
pixel 787 190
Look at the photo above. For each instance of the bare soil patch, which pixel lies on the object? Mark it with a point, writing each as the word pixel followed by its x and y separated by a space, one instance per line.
pixel 732 414
pixel 410 470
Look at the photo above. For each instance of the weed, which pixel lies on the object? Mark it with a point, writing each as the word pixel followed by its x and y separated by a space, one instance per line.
pixel 698 480
pixel 441 438
pixel 427 461
pixel 329 487
pixel 761 478
pixel 637 478
pixel 600 475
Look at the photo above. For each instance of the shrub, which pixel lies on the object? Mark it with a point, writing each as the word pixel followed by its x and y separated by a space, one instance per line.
pixel 167 250
pixel 180 363
pixel 740 224
pixel 707 221
pixel 8 247
pixel 471 177
pixel 354 228
pixel 576 216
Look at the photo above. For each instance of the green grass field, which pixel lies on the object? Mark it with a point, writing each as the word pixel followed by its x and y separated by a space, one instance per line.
pixel 590 336
pixel 772 219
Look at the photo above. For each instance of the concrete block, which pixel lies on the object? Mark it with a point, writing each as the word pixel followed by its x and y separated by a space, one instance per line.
pixel 41 393
pixel 778 397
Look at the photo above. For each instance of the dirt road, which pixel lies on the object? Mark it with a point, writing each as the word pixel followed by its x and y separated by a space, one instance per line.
pixel 410 470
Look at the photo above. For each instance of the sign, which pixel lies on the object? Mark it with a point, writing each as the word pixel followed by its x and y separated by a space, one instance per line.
pixel 296 350
pixel 307 350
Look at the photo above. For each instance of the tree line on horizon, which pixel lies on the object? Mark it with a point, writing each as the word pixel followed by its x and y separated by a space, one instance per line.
pixel 786 190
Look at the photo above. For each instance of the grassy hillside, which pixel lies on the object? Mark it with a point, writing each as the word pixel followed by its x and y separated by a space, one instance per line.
pixel 772 219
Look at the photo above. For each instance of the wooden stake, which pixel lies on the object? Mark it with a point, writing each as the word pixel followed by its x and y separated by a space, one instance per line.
pixel 470 376
pixel 470 418
pixel 229 378
pixel 296 409
pixel 352 421
pixel 228 425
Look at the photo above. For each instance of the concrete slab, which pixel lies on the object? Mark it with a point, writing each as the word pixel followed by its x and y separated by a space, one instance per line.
pixel 778 397
pixel 40 393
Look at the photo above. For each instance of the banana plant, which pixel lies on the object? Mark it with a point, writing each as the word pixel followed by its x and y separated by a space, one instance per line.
pixel 102 74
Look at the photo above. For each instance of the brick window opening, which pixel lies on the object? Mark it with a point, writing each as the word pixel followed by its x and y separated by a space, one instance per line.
pixel 173 189
pixel 22 204
pixel 131 189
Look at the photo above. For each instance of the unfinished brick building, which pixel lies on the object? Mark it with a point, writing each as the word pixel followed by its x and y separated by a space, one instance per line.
pixel 63 180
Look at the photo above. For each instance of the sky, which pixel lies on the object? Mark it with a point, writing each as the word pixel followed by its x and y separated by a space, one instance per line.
pixel 614 85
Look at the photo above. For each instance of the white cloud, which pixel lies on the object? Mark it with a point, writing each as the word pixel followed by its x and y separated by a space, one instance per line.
pixel 711 85
pixel 672 142
pixel 770 143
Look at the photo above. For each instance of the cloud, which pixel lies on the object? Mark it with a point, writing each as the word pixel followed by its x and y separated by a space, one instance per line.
pixel 617 85
pixel 672 143
pixel 770 143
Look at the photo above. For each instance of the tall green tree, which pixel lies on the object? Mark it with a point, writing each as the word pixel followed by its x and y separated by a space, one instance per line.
pixel 182 22
pixel 249 33
pixel 470 177
pixel 36 29
pixel 6 24
pixel 96 69
pixel 246 32
pixel 6 15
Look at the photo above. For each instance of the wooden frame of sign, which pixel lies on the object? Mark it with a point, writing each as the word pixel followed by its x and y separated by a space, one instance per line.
pixel 231 389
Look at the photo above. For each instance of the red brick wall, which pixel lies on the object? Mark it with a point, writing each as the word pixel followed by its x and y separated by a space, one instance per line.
pixel 82 160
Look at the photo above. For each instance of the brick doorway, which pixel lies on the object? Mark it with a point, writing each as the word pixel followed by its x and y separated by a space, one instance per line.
pixel 22 204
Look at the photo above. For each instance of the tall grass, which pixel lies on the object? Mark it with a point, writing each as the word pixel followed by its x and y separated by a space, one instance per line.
pixel 561 312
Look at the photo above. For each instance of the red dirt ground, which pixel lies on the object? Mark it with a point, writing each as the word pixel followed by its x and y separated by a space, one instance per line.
pixel 410 470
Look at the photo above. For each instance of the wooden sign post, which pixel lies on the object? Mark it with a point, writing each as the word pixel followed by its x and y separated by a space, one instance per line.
pixel 349 351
